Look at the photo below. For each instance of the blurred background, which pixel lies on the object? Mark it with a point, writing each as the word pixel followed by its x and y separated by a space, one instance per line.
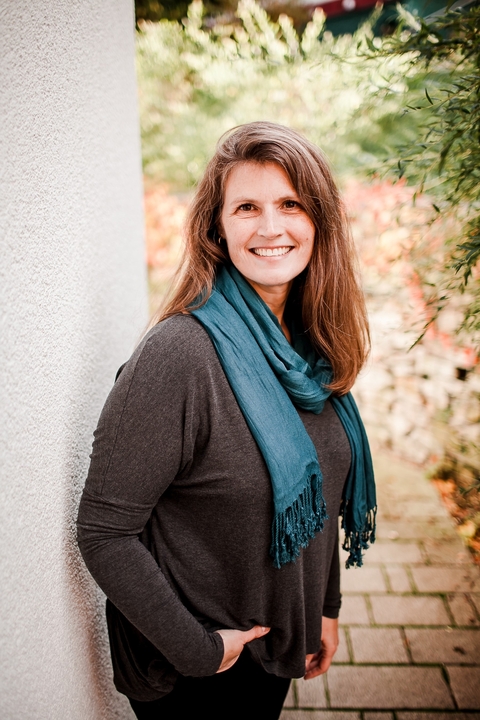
pixel 389 93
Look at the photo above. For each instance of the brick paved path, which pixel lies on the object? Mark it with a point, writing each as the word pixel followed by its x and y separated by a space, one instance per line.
pixel 410 618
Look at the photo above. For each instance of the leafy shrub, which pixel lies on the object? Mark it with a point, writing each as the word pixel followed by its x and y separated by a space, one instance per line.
pixel 444 158
pixel 196 84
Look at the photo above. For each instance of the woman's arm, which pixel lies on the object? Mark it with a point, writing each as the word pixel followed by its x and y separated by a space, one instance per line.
pixel 319 663
pixel 143 439
pixel 333 596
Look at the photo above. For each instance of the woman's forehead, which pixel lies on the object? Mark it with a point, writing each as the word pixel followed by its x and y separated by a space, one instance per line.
pixel 255 177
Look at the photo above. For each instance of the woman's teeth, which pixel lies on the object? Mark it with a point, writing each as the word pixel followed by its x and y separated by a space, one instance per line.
pixel 268 252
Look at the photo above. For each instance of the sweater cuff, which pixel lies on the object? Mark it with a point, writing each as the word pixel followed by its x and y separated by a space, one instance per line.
pixel 207 665
pixel 331 611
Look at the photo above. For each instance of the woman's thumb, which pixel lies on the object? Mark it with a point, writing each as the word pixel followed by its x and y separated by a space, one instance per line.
pixel 255 632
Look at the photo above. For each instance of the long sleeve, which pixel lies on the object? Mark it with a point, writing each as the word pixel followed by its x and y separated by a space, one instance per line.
pixel 145 438
pixel 333 597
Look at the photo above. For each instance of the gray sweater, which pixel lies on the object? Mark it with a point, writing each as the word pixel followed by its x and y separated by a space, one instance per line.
pixel 175 521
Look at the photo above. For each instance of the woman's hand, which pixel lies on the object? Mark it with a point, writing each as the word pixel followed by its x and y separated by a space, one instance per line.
pixel 319 663
pixel 233 642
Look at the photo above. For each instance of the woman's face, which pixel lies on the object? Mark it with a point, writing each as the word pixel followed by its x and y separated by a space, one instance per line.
pixel 268 233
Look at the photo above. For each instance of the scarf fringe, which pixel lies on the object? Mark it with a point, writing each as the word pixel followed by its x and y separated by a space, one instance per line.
pixel 356 542
pixel 298 524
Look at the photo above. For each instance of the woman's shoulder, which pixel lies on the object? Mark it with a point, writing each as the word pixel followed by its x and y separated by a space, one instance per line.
pixel 180 333
pixel 178 345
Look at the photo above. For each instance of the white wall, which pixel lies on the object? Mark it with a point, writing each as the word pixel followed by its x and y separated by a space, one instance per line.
pixel 73 304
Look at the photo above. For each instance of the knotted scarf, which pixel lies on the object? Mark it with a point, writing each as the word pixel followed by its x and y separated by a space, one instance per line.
pixel 269 377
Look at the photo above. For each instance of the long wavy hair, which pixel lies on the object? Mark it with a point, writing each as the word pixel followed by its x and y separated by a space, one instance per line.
pixel 328 293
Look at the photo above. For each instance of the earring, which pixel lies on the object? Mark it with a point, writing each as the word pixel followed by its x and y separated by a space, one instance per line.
pixel 216 237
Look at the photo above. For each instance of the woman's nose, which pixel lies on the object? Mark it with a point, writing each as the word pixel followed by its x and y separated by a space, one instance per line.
pixel 270 225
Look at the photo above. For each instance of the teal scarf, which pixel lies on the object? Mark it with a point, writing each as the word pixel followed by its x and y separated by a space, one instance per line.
pixel 268 378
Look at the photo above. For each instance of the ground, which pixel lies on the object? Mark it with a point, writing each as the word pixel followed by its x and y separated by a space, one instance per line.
pixel 410 619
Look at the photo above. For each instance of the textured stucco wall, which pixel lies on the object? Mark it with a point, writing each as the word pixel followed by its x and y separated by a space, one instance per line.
pixel 73 304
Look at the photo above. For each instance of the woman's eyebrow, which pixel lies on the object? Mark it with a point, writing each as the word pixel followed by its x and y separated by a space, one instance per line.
pixel 237 200
pixel 245 200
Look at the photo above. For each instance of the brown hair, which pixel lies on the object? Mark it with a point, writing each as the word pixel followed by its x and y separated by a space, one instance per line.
pixel 329 295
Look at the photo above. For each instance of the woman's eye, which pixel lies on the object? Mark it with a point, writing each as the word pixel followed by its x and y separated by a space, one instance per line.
pixel 246 207
pixel 291 204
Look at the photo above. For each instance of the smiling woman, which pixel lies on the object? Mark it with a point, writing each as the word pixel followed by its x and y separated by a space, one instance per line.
pixel 227 438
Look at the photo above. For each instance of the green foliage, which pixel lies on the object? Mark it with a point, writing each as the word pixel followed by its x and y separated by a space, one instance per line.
pixel 444 158
pixel 195 84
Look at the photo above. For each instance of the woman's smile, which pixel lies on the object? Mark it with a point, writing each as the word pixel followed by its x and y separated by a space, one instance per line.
pixel 268 232
pixel 272 252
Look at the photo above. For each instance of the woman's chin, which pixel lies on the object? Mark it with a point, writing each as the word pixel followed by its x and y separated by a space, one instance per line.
pixel 270 277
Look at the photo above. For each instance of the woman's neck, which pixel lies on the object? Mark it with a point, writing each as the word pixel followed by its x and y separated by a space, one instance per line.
pixel 275 298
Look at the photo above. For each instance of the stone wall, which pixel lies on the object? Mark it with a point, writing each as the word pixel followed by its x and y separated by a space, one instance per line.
pixel 421 402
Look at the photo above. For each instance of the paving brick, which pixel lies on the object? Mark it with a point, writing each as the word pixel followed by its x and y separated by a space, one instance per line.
pixel 354 611
pixel 394 552
pixel 421 489
pixel 390 513
pixel 290 699
pixel 319 715
pixel 443 552
pixel 446 579
pixel 311 693
pixel 368 687
pixel 465 683
pixel 444 646
pixel 390 469
pixel 387 530
pixel 475 598
pixel 406 494
pixel 438 529
pixel 461 608
pixel 437 716
pixel 378 645
pixel 364 579
pixel 377 716
pixel 422 508
pixel 408 610
pixel 390 551
pixel 398 578
pixel 342 655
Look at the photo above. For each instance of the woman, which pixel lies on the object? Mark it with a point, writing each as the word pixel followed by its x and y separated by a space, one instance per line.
pixel 229 445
